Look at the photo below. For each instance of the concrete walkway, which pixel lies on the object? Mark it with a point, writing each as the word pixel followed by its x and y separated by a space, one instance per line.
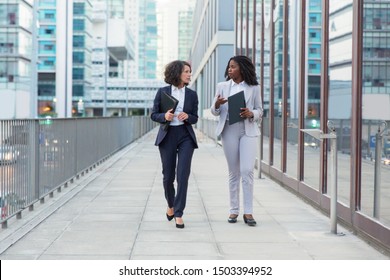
pixel 117 212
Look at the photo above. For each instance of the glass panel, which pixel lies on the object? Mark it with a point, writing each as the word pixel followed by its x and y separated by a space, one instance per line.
pixel 239 27
pixel 340 92
pixel 250 31
pixel 312 92
pixel 375 179
pixel 267 45
pixel 278 77
pixel 292 110
pixel 244 28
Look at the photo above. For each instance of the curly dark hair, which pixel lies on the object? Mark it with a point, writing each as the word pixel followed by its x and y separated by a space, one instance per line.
pixel 247 69
pixel 173 72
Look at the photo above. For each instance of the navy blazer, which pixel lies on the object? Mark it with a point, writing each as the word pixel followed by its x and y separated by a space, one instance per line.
pixel 190 107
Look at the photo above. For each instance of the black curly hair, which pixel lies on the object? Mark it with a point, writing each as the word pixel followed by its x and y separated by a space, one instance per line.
pixel 173 72
pixel 247 69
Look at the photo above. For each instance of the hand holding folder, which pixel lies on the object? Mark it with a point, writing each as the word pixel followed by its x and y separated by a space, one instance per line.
pixel 235 103
pixel 167 102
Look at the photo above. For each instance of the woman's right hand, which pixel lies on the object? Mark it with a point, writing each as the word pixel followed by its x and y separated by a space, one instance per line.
pixel 220 100
pixel 169 115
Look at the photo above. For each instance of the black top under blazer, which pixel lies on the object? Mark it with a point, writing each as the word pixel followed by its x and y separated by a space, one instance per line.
pixel 190 107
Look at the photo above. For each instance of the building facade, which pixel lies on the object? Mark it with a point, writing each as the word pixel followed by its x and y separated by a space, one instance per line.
pixel 17 59
pixel 145 63
pixel 111 52
pixel 64 54
pixel 212 47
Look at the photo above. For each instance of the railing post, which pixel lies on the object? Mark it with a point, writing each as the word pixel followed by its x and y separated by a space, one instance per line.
pixel 260 154
pixel 333 175
pixel 378 160
pixel 318 134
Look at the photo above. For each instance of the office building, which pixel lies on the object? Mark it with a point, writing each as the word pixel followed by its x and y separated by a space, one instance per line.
pixel 64 55
pixel 144 25
pixel 17 59
pixel 110 51
pixel 212 47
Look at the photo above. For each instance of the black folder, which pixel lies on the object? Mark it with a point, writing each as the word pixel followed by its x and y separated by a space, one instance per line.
pixel 235 103
pixel 167 102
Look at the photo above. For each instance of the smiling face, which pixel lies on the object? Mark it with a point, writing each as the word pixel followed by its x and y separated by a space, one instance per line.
pixel 234 71
pixel 185 76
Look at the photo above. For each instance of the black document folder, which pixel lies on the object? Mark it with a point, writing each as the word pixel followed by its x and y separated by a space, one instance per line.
pixel 235 103
pixel 167 102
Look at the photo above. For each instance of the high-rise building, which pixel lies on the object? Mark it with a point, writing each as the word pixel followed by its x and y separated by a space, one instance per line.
pixel 64 51
pixel 113 45
pixel 82 56
pixel 212 46
pixel 175 27
pixel 144 65
pixel 185 32
pixel 376 62
pixel 313 59
pixel 17 59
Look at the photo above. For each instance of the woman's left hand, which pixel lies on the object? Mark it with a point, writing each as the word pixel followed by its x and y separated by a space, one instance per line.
pixel 246 113
pixel 182 116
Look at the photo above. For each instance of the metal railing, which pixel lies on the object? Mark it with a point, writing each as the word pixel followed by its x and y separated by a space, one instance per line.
pixel 37 156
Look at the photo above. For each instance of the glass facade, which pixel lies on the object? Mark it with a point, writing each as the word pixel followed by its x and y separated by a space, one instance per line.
pixel 147 45
pixel 48 55
pixel 15 45
pixel 47 51
pixel 338 72
pixel 82 55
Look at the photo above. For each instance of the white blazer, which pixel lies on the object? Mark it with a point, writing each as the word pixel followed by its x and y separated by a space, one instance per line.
pixel 253 103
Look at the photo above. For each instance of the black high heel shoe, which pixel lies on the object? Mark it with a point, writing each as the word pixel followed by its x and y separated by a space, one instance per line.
pixel 169 217
pixel 179 225
pixel 249 220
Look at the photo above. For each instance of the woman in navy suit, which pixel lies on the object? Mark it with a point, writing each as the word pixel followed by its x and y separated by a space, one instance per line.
pixel 177 143
pixel 239 139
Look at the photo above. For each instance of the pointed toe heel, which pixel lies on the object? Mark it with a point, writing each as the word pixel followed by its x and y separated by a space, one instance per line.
pixel 169 217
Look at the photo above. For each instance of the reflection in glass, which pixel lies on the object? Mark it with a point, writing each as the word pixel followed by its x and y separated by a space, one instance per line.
pixel 340 91
pixel 266 101
pixel 312 92
pixel 375 181
pixel 293 77
pixel 239 28
pixel 278 78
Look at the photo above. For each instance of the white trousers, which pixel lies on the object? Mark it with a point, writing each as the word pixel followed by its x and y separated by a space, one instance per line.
pixel 240 152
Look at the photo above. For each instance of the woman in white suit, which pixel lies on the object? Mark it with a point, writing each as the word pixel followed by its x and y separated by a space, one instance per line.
pixel 239 139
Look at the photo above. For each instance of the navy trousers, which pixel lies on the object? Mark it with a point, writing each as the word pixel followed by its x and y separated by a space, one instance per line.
pixel 176 152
